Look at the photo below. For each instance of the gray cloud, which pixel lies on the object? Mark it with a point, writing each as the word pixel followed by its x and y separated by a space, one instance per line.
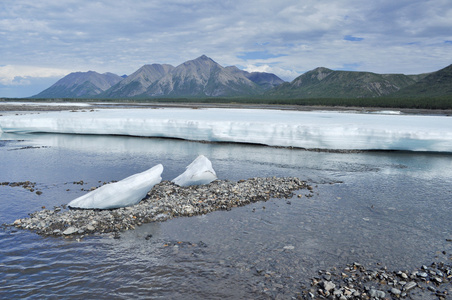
pixel 120 36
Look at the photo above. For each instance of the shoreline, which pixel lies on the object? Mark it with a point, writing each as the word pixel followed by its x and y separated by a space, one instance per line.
pixel 11 106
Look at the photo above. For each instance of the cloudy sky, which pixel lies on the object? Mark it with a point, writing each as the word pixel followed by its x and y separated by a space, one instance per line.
pixel 42 41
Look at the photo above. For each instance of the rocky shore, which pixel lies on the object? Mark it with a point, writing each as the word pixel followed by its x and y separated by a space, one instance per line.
pixel 165 201
pixel 357 282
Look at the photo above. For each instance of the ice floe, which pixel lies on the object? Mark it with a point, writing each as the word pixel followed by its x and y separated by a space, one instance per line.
pixel 200 171
pixel 126 192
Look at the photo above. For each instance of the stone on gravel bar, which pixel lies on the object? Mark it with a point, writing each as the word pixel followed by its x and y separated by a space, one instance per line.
pixel 328 286
pixel 409 286
pixel 70 230
pixel 396 291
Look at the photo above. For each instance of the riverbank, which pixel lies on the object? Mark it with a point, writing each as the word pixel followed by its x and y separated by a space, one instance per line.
pixel 27 106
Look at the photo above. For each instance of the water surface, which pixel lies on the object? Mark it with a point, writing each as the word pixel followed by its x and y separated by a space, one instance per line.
pixel 391 208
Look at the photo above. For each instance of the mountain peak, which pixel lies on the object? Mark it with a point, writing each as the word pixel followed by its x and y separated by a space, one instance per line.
pixel 312 77
pixel 203 77
pixel 320 73
pixel 321 69
pixel 80 84
pixel 203 59
pixel 137 83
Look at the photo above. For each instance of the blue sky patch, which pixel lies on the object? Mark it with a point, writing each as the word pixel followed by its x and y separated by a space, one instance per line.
pixel 350 67
pixel 258 55
pixel 448 42
pixel 353 38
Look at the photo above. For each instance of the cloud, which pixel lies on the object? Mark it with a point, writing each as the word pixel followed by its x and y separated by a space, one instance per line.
pixel 21 75
pixel 258 55
pixel 284 74
pixel 407 36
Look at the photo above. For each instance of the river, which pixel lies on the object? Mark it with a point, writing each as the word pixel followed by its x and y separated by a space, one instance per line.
pixel 376 208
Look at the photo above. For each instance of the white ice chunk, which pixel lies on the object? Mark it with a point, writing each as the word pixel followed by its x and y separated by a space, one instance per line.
pixel 126 192
pixel 200 171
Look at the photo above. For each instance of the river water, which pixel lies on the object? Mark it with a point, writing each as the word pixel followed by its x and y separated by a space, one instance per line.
pixel 378 208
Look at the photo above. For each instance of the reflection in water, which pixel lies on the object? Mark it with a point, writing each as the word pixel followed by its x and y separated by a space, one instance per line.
pixel 392 208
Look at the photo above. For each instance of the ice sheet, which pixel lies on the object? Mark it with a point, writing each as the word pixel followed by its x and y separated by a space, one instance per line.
pixel 126 192
pixel 322 130
pixel 200 171
pixel 71 104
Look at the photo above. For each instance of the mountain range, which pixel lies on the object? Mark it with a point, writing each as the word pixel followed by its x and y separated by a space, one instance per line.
pixel 326 83
pixel 203 77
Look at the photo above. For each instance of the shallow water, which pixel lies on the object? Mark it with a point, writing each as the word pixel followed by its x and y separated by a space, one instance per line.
pixel 391 208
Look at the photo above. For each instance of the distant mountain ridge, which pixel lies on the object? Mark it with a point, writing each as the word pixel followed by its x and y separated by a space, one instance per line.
pixel 80 84
pixel 436 84
pixel 266 80
pixel 325 83
pixel 203 77
pixel 138 82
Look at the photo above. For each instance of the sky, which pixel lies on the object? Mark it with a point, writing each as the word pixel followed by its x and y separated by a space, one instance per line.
pixel 42 41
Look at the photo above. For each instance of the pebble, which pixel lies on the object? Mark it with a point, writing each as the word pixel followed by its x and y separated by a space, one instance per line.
pixel 377 294
pixel 69 231
pixel 328 285
pixel 409 286
pixel 165 201
pixel 422 274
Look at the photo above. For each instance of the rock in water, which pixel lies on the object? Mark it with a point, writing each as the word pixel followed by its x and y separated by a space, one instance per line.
pixel 126 192
pixel 200 171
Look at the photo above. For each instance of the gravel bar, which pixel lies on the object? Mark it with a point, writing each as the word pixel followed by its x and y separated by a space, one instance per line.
pixel 166 200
